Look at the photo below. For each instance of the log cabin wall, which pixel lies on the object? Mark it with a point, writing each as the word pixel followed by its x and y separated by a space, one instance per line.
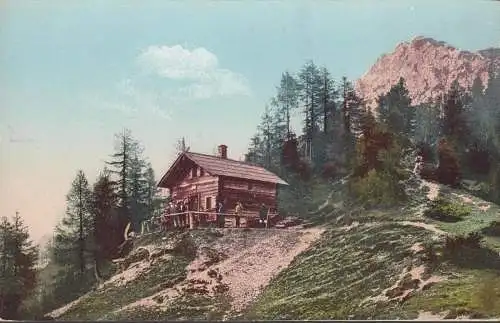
pixel 250 193
pixel 196 184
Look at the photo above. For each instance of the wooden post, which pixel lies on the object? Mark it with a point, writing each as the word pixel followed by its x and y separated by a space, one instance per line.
pixel 191 222
pixel 267 219
pixel 143 229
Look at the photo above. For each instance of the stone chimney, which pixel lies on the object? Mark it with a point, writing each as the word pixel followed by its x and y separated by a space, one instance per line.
pixel 222 151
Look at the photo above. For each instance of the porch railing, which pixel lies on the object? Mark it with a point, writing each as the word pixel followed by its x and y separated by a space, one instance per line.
pixel 195 219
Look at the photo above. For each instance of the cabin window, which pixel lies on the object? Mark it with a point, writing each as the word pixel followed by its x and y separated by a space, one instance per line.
pixel 193 172
pixel 250 186
pixel 202 172
pixel 208 202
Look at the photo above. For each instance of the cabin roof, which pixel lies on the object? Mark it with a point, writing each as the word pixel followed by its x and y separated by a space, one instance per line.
pixel 217 166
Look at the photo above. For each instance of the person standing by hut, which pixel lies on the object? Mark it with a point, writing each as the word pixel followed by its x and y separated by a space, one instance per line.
pixel 238 212
pixel 262 214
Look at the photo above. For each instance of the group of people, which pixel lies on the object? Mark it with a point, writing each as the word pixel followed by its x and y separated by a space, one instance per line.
pixel 176 216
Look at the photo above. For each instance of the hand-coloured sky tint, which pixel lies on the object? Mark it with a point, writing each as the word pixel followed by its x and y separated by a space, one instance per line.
pixel 74 73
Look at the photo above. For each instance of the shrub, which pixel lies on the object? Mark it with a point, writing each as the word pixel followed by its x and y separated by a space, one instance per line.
pixel 448 171
pixel 469 252
pixel 428 172
pixel 446 211
pixel 457 244
pixel 330 170
pixel 377 188
pixel 492 230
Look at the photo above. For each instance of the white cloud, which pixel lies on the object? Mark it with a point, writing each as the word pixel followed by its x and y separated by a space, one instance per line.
pixel 179 63
pixel 191 74
pixel 199 67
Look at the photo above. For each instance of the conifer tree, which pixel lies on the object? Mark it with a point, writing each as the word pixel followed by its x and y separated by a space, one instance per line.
pixel 128 165
pixel 73 235
pixel 125 147
pixel 454 122
pixel 427 129
pixel 107 234
pixel 310 96
pixel 266 129
pixel 395 111
pixel 255 151
pixel 328 98
pixel 449 167
pixel 18 257
pixel 137 191
pixel 154 202
pixel 287 99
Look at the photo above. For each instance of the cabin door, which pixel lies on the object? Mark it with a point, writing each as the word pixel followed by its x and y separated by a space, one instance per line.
pixel 208 203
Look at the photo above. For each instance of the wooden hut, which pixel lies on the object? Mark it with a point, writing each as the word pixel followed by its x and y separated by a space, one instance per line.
pixel 203 180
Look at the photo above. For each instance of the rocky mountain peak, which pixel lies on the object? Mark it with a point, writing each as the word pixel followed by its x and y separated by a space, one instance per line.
pixel 429 67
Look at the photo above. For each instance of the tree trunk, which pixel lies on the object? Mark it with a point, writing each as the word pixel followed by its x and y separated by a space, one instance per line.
pixel 82 263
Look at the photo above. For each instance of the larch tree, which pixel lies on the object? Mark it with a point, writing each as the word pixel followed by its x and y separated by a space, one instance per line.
pixel 266 129
pixel 180 146
pixel 74 234
pixel 128 166
pixel 287 99
pixel 137 190
pixel 328 98
pixel 310 83
pixel 255 151
pixel 326 142
pixel 350 118
pixel 125 147
pixel 107 233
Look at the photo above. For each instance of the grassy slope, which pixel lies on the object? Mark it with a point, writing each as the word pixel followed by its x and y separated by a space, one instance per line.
pixel 331 280
pixel 104 303
pixel 101 303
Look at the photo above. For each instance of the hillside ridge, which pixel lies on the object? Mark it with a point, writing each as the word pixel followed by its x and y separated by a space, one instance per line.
pixel 367 265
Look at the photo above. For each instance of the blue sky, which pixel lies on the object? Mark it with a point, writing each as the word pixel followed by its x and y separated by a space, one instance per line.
pixel 73 73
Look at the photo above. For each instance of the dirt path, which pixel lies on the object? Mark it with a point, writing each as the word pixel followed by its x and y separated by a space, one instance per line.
pixel 251 270
pixel 433 189
pixel 248 268
pixel 423 225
